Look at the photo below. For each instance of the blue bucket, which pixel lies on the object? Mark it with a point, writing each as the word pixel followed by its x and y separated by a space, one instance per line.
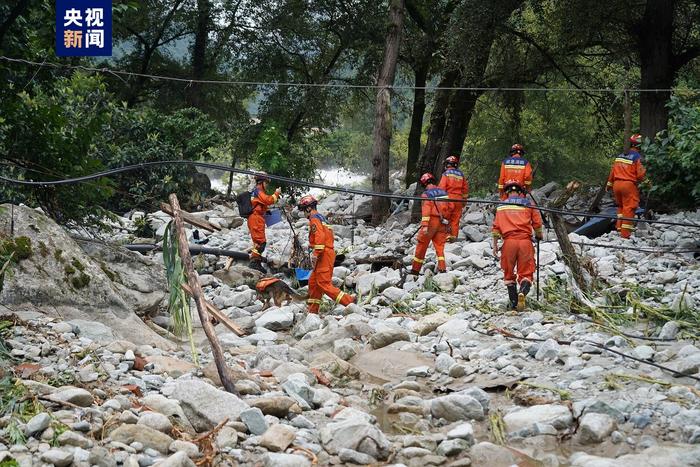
pixel 272 217
pixel 302 274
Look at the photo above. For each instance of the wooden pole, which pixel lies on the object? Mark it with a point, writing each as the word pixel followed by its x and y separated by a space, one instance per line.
pixel 198 296
pixel 567 249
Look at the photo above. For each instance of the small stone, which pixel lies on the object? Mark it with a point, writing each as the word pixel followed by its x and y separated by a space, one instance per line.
pixel 444 362
pixel 156 421
pixel 463 431
pixel 549 350
pixel 38 423
pixel 71 438
pixel 456 407
pixel 278 437
pixel 644 352
pixel 383 338
pixel 452 447
pixel 669 330
pixel 179 459
pixel 254 420
pixel 354 457
pixel 149 437
pixel 190 449
pixel 595 427
pixel 286 460
pixel 227 438
pixel 129 355
pixel 57 457
pixel 77 396
pixel 420 371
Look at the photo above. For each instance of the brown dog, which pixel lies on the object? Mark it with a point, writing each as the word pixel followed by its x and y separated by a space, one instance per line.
pixel 272 288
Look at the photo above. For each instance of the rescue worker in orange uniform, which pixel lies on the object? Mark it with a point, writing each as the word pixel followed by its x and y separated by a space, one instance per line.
pixel 322 259
pixel 256 221
pixel 434 224
pixel 627 172
pixel 515 168
pixel 515 223
pixel 455 184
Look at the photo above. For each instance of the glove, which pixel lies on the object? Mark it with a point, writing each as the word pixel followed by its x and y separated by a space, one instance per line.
pixel 278 191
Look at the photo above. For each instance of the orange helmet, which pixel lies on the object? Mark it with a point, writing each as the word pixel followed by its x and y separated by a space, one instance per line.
pixel 261 177
pixel 635 140
pixel 452 161
pixel 512 185
pixel 517 149
pixel 307 201
pixel 427 178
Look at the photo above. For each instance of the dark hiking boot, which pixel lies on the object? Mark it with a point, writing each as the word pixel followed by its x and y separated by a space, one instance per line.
pixel 512 296
pixel 525 287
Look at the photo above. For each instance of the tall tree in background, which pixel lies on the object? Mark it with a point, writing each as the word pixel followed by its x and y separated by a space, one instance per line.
pixel 381 134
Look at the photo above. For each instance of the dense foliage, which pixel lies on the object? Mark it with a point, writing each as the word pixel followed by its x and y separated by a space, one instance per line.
pixel 673 160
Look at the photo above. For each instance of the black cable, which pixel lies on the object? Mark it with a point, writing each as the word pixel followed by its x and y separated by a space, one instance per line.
pixel 631 248
pixel 293 181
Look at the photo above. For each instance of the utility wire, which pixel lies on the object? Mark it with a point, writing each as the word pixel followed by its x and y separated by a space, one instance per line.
pixel 120 73
pixel 293 181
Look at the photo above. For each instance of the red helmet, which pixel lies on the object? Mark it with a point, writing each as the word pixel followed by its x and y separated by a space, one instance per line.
pixel 517 149
pixel 427 178
pixel 452 161
pixel 261 177
pixel 307 201
pixel 635 140
pixel 513 185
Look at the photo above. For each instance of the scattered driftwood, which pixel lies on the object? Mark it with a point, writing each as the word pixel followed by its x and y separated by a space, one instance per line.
pixel 190 219
pixel 218 314
pixel 567 249
pixel 198 295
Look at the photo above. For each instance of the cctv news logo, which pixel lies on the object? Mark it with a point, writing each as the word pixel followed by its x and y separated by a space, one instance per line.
pixel 83 28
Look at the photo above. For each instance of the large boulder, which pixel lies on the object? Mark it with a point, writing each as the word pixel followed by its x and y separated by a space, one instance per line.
pixel 357 434
pixel 137 278
pixel 59 279
pixel 203 404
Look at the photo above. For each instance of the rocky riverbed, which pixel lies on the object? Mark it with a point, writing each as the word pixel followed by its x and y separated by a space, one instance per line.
pixel 426 371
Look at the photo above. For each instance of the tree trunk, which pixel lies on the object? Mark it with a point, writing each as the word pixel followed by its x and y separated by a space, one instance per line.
pixel 421 77
pixel 381 134
pixel 657 65
pixel 460 114
pixel 199 53
pixel 198 296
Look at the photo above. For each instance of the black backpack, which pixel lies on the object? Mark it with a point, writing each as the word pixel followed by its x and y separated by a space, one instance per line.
pixel 245 206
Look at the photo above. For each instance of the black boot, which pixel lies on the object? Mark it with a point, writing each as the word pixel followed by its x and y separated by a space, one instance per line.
pixel 525 287
pixel 512 296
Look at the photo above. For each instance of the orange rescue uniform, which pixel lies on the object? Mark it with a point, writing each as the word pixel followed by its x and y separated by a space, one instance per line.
pixel 515 223
pixel 457 187
pixel 517 169
pixel 432 228
pixel 321 279
pixel 627 171
pixel 256 221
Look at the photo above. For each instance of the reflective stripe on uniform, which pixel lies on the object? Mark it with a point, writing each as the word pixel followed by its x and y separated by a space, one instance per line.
pixel 624 161
pixel 511 208
pixel 425 218
pixel 314 301
pixel 627 226
pixel 441 258
pixel 516 167
pixel 319 247
pixel 339 297
pixel 418 260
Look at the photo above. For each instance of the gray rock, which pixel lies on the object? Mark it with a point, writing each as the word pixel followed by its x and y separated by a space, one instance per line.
pixel 76 396
pixel 345 348
pixel 644 352
pixel 179 459
pixel 168 407
pixel 549 350
pixel 552 414
pixel 356 434
pixel 191 449
pixel 300 391
pixel 452 447
pixel 669 330
pixel 430 323
pixel 71 438
pixel 204 405
pixel 420 371
pixel 227 438
pixel 354 457
pixel 463 431
pixel 145 435
pixel 394 294
pixel 491 455
pixel 286 369
pixel 276 319
pixel 57 457
pixel 386 337
pixel 311 322
pixel 286 460
pixel 456 407
pixel 254 420
pixel 443 363
pixel 657 456
pixel 278 437
pixel 447 281
pixel 155 420
pixel 595 427
pixel 689 365
pixel 38 423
